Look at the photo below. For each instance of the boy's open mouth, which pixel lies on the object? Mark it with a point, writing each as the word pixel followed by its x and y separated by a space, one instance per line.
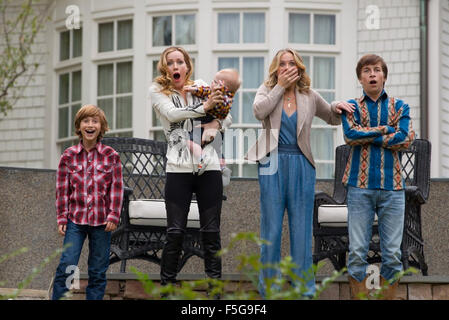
pixel 373 82
pixel 176 76
pixel 90 131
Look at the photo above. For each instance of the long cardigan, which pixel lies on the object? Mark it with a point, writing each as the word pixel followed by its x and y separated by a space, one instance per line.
pixel 267 108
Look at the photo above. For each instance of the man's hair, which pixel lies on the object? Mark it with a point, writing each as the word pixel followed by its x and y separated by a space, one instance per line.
pixel 369 60
pixel 90 110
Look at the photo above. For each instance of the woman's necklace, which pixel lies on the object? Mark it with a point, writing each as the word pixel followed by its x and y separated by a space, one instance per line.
pixel 289 101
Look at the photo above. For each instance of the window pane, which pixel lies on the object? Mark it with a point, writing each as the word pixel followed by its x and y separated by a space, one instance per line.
pixel 324 73
pixel 324 29
pixel 249 171
pixel 76 86
pixel 248 100
pixel 124 77
pixel 64 45
pixel 324 170
pixel 253 27
pixel 235 108
pixel 252 72
pixel 63 122
pixel 75 109
pixel 107 107
pixel 322 142
pixel 232 63
pixel 249 138
pixel 124 34
pixel 328 96
pixel 228 28
pixel 299 28
pixel 159 136
pixel 124 113
pixel 155 71
pixel 318 121
pixel 185 29
pixel 231 144
pixel 66 144
pixel 162 31
pixel 156 121
pixel 306 61
pixel 105 79
pixel 63 88
pixel 234 169
pixel 106 37
pixel 77 43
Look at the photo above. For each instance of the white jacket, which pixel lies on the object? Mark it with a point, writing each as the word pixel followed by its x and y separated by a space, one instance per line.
pixel 177 119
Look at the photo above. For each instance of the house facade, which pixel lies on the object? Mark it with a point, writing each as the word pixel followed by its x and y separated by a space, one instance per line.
pixel 105 52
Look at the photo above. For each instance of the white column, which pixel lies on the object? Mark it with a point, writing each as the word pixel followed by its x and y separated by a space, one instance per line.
pixel 434 78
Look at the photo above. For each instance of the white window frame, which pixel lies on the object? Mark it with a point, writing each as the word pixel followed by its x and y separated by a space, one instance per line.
pixel 241 45
pixel 112 126
pixel 61 67
pixel 241 50
pixel 320 50
pixel 158 49
pixel 60 141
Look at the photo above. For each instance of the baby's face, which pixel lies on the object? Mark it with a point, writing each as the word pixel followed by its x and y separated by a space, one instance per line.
pixel 225 79
pixel 219 78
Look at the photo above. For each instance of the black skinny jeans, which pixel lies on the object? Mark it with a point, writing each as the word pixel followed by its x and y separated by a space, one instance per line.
pixel 208 188
pixel 179 188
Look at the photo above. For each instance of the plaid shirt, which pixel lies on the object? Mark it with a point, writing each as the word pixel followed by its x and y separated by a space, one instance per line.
pixel 89 186
pixel 377 131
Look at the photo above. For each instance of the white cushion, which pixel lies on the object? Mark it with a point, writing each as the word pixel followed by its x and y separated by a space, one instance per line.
pixel 151 212
pixel 334 215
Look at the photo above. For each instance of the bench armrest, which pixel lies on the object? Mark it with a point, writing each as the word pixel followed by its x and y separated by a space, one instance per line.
pixel 127 191
pixel 323 198
pixel 415 193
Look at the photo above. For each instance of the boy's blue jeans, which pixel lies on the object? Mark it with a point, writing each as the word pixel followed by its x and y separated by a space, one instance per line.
pixel 98 260
pixel 291 187
pixel 362 206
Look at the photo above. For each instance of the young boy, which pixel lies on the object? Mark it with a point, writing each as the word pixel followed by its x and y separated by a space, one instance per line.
pixel 377 131
pixel 229 81
pixel 89 194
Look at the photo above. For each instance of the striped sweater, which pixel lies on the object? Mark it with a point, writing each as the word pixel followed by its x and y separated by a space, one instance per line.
pixel 377 131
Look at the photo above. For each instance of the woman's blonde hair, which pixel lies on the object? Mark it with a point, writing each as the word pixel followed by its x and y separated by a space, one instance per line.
pixel 90 110
pixel 303 84
pixel 164 78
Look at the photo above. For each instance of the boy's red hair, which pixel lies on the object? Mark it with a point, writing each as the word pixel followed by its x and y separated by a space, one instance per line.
pixel 90 110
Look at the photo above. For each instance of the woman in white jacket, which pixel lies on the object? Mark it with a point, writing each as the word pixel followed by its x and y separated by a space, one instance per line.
pixel 177 110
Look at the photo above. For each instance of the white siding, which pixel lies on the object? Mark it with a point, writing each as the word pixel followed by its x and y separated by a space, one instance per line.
pixel 22 130
pixel 397 41
pixel 444 105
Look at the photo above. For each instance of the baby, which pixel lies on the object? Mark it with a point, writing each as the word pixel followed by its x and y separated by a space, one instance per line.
pixel 230 81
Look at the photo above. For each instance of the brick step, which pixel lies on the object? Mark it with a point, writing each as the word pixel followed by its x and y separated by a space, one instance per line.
pixel 126 286
pixel 25 294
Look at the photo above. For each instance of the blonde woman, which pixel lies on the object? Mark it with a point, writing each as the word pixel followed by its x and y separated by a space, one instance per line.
pixel 286 105
pixel 177 110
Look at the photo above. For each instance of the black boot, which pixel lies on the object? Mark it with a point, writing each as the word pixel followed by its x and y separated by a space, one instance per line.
pixel 211 244
pixel 170 257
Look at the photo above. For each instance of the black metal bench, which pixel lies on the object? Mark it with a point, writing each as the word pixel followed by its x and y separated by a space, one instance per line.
pixel 331 232
pixel 136 237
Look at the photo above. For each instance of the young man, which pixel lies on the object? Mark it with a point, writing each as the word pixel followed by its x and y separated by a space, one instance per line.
pixel 377 131
pixel 89 194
